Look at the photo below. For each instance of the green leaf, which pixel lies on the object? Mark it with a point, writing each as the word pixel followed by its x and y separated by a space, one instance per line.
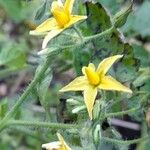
pixel 3 107
pixel 98 18
pixel 112 5
pixel 41 11
pixel 13 55
pixel 142 17
pixel 121 17
pixel 111 44
pixel 43 86
pixel 13 8
pixel 141 54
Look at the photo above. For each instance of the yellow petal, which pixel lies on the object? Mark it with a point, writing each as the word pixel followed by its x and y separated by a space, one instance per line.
pixel 74 19
pixel 49 24
pixel 89 97
pixel 60 2
pixel 53 145
pixel 109 83
pixel 49 36
pixel 63 143
pixel 78 84
pixel 69 5
pixel 61 16
pixel 92 76
pixel 105 65
pixel 91 65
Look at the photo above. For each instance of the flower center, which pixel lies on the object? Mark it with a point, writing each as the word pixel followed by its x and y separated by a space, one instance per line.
pixel 61 15
pixel 92 76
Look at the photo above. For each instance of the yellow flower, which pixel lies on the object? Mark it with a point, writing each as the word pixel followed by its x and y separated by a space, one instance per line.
pixel 62 19
pixel 95 79
pixel 58 145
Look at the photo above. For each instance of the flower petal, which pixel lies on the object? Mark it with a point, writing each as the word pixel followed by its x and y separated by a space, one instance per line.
pixel 105 65
pixel 49 24
pixel 89 97
pixel 52 145
pixel 60 3
pixel 91 65
pixel 69 5
pixel 109 83
pixel 63 143
pixel 49 36
pixel 74 19
pixel 78 84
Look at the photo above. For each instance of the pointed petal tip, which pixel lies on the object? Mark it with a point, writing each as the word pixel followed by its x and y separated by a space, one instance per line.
pixel 43 52
pixel 130 91
pixel 32 32
pixel 127 91
pixel 84 17
pixel 64 89
pixel 43 145
pixel 61 90
pixel 91 118
pixel 58 135
pixel 120 56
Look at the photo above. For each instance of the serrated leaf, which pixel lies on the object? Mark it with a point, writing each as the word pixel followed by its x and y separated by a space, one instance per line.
pixel 121 17
pixel 98 18
pixel 41 11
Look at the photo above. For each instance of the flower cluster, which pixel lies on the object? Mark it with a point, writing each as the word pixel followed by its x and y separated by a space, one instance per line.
pixel 92 79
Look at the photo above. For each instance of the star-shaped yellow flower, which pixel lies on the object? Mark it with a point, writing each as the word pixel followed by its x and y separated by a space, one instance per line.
pixel 62 19
pixel 95 79
pixel 58 145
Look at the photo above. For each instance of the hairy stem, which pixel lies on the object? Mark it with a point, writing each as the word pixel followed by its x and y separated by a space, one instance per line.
pixel 125 142
pixel 23 97
pixel 42 124
pixel 115 114
pixel 79 33
pixel 102 34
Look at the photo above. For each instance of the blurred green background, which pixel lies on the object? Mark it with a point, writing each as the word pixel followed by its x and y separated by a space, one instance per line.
pixel 19 60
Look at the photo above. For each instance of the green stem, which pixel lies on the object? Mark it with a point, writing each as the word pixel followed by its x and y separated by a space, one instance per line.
pixel 48 114
pixel 79 33
pixel 23 97
pixel 28 132
pixel 42 124
pixel 102 34
pixel 125 142
pixel 120 113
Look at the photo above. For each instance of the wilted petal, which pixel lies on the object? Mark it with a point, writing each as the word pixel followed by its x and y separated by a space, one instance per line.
pixel 78 84
pixel 49 24
pixel 69 5
pixel 49 36
pixel 109 83
pixel 89 97
pixel 74 19
pixel 105 65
